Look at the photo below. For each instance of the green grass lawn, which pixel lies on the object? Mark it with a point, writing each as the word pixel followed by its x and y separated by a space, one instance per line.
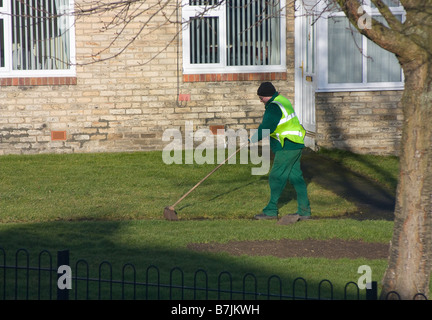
pixel 108 207
pixel 138 186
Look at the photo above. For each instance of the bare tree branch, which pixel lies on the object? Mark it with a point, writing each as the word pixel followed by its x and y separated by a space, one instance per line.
pixel 392 40
pixel 391 19
pixel 124 13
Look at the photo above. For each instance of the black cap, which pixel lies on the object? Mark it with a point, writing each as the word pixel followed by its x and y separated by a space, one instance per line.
pixel 266 89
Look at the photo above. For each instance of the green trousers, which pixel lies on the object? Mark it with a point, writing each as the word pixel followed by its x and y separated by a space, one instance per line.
pixel 286 167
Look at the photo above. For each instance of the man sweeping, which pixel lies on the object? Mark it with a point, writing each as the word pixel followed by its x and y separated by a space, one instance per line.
pixel 286 142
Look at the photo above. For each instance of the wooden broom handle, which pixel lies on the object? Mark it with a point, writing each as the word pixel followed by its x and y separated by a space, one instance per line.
pixel 208 175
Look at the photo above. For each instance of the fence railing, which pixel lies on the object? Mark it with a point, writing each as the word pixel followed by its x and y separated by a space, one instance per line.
pixel 58 279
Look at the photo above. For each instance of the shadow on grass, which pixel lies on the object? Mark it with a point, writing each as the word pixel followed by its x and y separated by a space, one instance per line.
pixel 373 200
pixel 106 251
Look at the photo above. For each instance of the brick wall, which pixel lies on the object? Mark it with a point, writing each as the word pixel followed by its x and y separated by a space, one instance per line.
pixel 363 122
pixel 125 103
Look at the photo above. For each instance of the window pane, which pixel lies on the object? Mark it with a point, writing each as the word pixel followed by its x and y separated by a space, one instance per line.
pixel 40 35
pixel 382 65
pixel 344 52
pixel 389 3
pixel 204 40
pixel 253 32
pixel 2 51
pixel 392 3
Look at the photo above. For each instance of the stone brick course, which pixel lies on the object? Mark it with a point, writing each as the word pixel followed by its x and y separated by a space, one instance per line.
pixel 363 122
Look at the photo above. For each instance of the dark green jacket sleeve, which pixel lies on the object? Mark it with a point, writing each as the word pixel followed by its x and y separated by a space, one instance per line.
pixel 271 118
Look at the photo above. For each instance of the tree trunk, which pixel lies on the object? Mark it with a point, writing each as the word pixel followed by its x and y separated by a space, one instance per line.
pixel 410 259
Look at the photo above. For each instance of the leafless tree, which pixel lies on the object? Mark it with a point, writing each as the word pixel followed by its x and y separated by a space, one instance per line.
pixel 410 260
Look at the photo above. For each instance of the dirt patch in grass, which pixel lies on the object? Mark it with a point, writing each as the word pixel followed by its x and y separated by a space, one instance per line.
pixel 286 248
pixel 374 202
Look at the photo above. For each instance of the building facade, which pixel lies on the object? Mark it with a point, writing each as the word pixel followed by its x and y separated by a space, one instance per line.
pixel 100 78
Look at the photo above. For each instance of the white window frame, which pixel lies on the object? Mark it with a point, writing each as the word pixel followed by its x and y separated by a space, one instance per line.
pixel 322 57
pixel 8 72
pixel 222 67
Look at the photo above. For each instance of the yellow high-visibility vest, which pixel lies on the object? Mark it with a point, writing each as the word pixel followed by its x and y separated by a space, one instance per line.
pixel 289 125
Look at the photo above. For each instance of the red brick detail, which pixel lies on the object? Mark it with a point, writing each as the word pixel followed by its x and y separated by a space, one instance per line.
pixel 210 77
pixel 184 97
pixel 214 129
pixel 38 81
pixel 58 135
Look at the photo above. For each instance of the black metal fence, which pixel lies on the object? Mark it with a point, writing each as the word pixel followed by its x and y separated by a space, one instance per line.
pixel 57 279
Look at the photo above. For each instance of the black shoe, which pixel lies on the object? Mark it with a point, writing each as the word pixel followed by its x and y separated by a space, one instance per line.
pixel 263 216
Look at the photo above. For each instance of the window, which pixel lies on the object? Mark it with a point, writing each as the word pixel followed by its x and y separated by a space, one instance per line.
pixel 350 61
pixel 36 38
pixel 233 36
